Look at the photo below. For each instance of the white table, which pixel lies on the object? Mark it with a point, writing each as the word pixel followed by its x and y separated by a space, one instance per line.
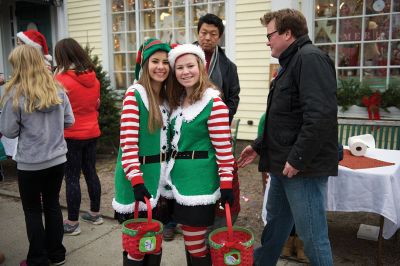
pixel 375 190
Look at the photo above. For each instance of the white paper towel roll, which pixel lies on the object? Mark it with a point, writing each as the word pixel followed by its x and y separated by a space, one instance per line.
pixel 359 144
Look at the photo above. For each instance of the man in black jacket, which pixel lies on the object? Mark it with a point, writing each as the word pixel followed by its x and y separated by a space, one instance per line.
pixel 299 143
pixel 221 70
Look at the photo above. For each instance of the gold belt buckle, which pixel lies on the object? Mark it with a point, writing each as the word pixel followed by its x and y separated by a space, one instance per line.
pixel 192 155
pixel 144 160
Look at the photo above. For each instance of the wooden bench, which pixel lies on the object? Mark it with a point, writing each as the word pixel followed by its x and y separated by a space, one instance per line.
pixel 386 133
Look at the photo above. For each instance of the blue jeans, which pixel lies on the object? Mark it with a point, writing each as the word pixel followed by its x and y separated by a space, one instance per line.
pixel 300 201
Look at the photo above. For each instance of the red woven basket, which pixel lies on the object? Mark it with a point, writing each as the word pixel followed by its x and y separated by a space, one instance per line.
pixel 141 235
pixel 231 245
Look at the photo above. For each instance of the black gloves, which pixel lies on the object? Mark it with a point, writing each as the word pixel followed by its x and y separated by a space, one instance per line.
pixel 140 192
pixel 226 196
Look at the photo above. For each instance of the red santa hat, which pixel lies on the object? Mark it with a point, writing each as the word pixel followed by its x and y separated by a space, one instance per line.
pixel 35 39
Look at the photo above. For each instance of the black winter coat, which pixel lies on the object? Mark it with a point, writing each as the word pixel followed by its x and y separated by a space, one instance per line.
pixel 301 118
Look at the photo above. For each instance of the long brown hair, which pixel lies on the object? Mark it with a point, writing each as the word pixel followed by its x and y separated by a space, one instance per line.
pixel 155 117
pixel 69 54
pixel 175 90
pixel 31 80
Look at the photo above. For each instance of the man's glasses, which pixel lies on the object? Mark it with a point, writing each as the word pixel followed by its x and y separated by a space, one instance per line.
pixel 269 36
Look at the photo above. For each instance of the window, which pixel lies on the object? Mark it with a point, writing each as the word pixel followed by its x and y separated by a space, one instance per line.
pixel 172 21
pixel 362 37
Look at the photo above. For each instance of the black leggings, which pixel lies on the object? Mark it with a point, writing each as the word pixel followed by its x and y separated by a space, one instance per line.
pixel 39 191
pixel 81 155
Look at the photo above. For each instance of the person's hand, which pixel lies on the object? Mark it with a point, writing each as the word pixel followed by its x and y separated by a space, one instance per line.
pixel 246 157
pixel 289 170
pixel 226 197
pixel 140 192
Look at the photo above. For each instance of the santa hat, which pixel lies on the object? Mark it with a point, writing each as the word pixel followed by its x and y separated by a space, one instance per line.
pixel 183 49
pixel 37 40
pixel 149 47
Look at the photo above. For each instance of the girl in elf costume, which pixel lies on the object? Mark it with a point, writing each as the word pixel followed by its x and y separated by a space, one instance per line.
pixel 200 168
pixel 143 139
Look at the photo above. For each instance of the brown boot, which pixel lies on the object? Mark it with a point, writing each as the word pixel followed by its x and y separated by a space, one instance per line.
pixel 288 248
pixel 299 245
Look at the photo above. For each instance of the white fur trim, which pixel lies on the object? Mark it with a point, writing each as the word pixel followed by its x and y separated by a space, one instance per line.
pixel 28 41
pixel 143 94
pixel 129 208
pixel 196 200
pixel 185 49
pixel 191 112
pixel 48 57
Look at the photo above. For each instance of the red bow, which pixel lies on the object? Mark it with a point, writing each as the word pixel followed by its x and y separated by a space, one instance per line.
pixel 228 246
pixel 372 103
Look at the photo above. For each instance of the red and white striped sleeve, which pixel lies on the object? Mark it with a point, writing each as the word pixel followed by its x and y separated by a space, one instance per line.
pixel 129 138
pixel 220 134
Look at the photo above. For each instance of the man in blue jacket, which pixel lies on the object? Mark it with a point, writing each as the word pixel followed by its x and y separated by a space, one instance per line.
pixel 299 144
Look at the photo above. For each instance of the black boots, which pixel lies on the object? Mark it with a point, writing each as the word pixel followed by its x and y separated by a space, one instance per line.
pixel 201 261
pixel 149 260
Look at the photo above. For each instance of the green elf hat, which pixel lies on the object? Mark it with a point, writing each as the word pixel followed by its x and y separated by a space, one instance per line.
pixel 149 47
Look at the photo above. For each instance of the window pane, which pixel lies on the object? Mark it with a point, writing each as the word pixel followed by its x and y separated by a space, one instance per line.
pixel 131 21
pixel 179 19
pixel 394 73
pixel 166 35
pixel 132 41
pixel 396 6
pixel 218 10
pixel 120 81
pixel 198 1
pixel 375 54
pixel 348 74
pixel 375 78
pixel 148 4
pixel 148 20
pixel 378 6
pixel 165 18
pixel 325 31
pixel 396 26
pixel 117 5
pixel 395 54
pixel 119 42
pixel 118 22
pixel 329 50
pixel 130 4
pixel 147 34
pixel 180 35
pixel 376 28
pixel 197 12
pixel 325 8
pixel 179 2
pixel 351 8
pixel 165 3
pixel 131 61
pixel 349 55
pixel 349 29
pixel 119 62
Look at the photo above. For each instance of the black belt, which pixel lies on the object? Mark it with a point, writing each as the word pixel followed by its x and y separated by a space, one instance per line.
pixel 158 158
pixel 189 154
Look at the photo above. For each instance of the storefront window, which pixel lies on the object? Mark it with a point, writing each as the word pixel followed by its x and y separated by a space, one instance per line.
pixel 135 20
pixel 362 37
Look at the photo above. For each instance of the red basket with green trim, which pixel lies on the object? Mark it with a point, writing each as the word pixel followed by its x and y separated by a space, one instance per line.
pixel 231 245
pixel 142 235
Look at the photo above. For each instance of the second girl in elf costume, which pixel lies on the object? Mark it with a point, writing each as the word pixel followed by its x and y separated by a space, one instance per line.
pixel 200 169
pixel 143 139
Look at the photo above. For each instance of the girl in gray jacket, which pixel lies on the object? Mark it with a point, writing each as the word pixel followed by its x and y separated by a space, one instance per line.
pixel 36 110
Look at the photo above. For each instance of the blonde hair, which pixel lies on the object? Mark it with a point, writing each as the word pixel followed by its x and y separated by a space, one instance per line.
pixel 155 120
pixel 30 79
pixel 175 90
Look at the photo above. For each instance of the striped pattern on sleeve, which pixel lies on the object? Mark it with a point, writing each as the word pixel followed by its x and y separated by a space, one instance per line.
pixel 220 134
pixel 129 137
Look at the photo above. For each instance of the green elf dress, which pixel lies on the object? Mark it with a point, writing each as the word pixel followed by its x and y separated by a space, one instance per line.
pixel 142 156
pixel 193 175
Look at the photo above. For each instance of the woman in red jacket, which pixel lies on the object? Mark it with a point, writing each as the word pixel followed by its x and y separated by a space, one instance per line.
pixel 75 71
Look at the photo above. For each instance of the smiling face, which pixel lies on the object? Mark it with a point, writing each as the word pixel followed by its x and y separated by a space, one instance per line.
pixel 187 70
pixel 158 66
